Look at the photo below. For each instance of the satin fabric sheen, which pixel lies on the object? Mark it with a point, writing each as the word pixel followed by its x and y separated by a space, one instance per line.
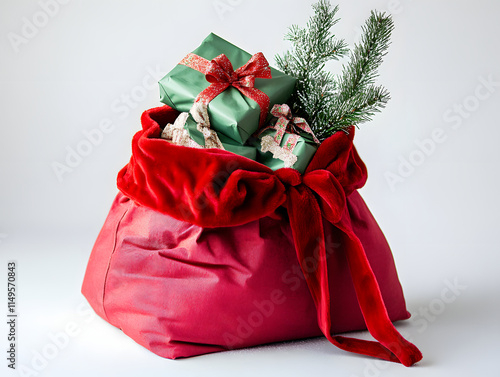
pixel 182 290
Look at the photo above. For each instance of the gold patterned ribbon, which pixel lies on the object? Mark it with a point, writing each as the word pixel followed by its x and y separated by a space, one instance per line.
pixel 177 134
pixel 286 123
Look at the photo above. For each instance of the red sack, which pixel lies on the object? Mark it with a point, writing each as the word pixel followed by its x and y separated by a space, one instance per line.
pixel 204 251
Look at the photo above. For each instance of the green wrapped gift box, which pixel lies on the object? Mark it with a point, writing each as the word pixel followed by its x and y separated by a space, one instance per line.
pixel 231 113
pixel 304 150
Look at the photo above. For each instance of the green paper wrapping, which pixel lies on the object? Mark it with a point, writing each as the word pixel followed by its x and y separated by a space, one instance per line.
pixel 230 145
pixel 304 150
pixel 231 113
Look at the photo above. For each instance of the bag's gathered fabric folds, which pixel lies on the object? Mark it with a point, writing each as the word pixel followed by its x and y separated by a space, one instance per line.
pixel 204 250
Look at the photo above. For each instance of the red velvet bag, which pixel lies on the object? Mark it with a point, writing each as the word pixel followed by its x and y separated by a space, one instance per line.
pixel 204 250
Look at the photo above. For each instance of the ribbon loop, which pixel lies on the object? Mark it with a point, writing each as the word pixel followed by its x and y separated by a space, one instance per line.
pixel 282 111
pixel 220 70
pixel 257 66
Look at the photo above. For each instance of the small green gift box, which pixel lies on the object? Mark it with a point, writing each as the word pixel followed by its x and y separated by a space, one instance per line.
pixel 298 158
pixel 237 84
pixel 287 142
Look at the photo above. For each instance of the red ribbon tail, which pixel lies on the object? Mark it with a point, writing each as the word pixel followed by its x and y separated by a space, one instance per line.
pixel 372 304
pixel 305 218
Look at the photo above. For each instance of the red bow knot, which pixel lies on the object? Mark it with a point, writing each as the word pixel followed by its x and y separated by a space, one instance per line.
pixel 220 70
pixel 311 197
pixel 220 73
pixel 320 188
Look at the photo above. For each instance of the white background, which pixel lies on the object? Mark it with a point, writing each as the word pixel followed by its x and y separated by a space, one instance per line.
pixel 75 69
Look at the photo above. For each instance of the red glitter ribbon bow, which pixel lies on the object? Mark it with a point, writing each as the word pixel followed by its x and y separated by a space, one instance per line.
pixel 219 72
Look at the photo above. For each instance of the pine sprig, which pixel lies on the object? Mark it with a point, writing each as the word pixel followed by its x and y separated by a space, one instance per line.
pixel 312 47
pixel 357 98
pixel 328 102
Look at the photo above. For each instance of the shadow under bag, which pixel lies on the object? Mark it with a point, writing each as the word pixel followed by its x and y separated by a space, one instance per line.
pixel 204 250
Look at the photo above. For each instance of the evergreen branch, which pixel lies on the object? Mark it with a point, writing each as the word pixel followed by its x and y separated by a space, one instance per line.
pixel 367 56
pixel 354 111
pixel 312 47
pixel 330 103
